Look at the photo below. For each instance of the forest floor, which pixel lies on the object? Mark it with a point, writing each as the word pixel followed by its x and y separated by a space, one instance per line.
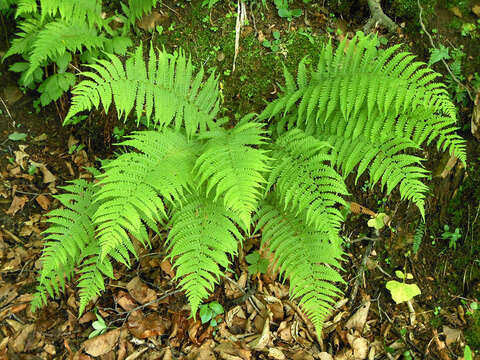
pixel 143 314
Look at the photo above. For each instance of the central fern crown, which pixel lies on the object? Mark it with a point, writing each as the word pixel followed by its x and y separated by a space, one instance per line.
pixel 361 109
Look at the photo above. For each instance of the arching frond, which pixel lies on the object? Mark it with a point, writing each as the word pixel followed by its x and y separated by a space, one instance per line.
pixel 232 163
pixel 164 89
pixel 308 256
pixel 134 187
pixel 305 179
pixel 202 238
pixel 70 232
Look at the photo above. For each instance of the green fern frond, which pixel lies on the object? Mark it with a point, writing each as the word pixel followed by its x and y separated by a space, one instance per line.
pixel 305 254
pixel 74 11
pixel 134 187
pixel 70 233
pixel 165 90
pixel 92 270
pixel 418 237
pixel 136 8
pixel 202 238
pixel 359 78
pixel 58 37
pixel 304 177
pixel 232 163
pixel 23 43
pixel 26 7
pixel 374 107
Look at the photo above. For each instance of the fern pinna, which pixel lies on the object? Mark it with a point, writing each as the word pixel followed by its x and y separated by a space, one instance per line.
pixel 210 185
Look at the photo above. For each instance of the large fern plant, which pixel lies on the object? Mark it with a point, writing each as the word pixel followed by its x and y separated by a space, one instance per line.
pixel 361 109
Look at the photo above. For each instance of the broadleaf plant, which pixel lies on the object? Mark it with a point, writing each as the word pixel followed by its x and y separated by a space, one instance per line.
pixel 360 110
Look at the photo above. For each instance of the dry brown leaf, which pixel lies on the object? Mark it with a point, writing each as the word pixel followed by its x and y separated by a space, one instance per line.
pixel 357 320
pixel 50 349
pixel 126 301
pixel 262 341
pixel 151 325
pixel 233 349
pixel 476 10
pixel 452 335
pixel 43 201
pixel 276 354
pixel 21 156
pixel 302 355
pixel 325 356
pixel 87 317
pixel 17 204
pixel 456 11
pixel 166 266
pixel 141 292
pixel 101 344
pixel 23 341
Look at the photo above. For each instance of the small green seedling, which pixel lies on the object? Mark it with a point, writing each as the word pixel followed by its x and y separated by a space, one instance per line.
pixel 99 326
pixel 273 45
pixel 467 353
pixel 452 237
pixel 285 12
pixel 378 222
pixel 209 312
pixel 257 264
pixel 75 148
pixel 401 291
pixel 16 136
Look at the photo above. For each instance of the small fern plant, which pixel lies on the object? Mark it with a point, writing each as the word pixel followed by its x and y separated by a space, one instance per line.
pixel 55 34
pixel 211 186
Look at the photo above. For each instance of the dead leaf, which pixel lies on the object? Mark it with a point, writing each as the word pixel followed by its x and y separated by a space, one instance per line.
pixel 41 137
pixel 23 340
pixel 276 354
pixel 166 266
pixel 17 204
pixel 48 177
pixel 141 292
pixel 357 320
pixel 150 21
pixel 102 344
pixel 126 301
pixel 452 335
pixel 151 325
pixel 325 356
pixel 302 355
pixel 87 317
pixel 261 342
pixel 476 10
pixel 43 201
pixel 20 157
pixel 456 11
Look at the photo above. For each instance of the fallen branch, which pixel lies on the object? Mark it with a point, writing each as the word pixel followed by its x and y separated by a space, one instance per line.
pixel 378 17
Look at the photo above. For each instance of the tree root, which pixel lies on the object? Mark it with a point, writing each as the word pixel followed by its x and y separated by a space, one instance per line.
pixel 378 17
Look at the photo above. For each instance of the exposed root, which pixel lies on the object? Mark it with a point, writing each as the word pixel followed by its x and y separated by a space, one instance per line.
pixel 378 17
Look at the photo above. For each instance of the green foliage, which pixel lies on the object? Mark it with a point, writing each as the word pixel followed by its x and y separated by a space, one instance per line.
pixel 54 35
pixel 208 312
pixel 210 185
pixel 257 264
pixel 418 237
pixel 375 107
pixel 452 237
pixel 438 54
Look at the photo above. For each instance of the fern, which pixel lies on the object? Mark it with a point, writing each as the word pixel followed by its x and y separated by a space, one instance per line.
pixel 418 237
pixel 136 8
pixel 134 187
pixel 306 255
pixel 230 164
pixel 71 232
pixel 203 234
pixel 378 103
pixel 164 89
pixel 211 184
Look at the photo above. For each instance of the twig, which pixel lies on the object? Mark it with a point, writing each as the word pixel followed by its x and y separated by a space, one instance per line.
pixel 358 279
pixel 443 60
pixel 8 112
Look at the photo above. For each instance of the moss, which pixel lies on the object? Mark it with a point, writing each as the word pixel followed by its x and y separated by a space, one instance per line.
pixel 472 334
pixel 408 9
